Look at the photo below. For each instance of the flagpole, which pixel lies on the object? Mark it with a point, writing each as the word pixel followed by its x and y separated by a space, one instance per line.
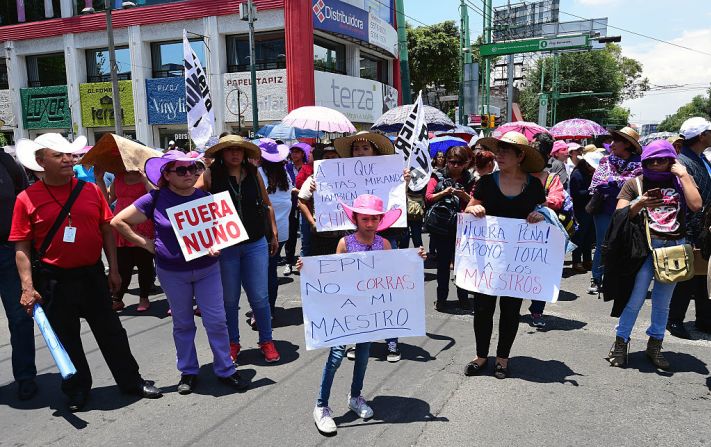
pixel 253 67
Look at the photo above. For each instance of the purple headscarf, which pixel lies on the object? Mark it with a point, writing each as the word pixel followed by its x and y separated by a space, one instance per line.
pixel 660 149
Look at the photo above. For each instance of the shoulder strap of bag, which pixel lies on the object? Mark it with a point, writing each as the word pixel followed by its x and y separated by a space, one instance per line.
pixel 644 214
pixel 60 218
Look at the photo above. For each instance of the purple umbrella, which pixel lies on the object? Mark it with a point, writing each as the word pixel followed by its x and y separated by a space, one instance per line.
pixel 530 130
pixel 441 144
pixel 577 129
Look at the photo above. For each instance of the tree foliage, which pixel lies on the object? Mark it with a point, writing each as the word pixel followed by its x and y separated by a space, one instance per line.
pixel 699 106
pixel 604 70
pixel 434 56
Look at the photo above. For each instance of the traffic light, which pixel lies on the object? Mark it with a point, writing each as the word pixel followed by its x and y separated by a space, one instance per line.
pixel 497 121
pixel 491 121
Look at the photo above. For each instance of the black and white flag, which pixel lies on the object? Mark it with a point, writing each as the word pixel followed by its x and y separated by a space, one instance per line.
pixel 201 114
pixel 413 144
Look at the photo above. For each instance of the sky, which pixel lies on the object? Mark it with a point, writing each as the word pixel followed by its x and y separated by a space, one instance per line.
pixel 683 22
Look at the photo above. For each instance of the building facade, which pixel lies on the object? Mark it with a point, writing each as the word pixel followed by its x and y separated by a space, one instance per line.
pixel 336 53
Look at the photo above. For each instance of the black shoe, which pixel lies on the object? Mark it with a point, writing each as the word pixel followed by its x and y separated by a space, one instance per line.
pixel 439 305
pixel 464 304
pixel 26 389
pixel 678 330
pixel 500 372
pixel 474 369
pixel 149 391
pixel 703 327
pixel 77 401
pixel 187 384
pixel 235 381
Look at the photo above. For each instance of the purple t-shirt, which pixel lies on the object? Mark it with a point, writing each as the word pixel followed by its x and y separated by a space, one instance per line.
pixel 168 253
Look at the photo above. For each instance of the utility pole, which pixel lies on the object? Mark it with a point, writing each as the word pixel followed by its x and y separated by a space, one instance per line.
pixel 487 61
pixel 509 82
pixel 252 65
pixel 118 116
pixel 465 56
pixel 402 51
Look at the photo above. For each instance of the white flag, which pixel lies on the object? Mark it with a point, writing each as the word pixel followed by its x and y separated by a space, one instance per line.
pixel 413 144
pixel 201 115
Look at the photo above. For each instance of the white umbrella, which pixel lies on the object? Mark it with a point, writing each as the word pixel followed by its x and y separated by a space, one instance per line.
pixel 319 119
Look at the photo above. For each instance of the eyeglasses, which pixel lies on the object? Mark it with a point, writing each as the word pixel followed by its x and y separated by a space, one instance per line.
pixel 182 171
pixel 456 162
pixel 657 161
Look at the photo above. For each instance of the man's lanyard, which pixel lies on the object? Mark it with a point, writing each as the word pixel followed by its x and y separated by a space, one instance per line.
pixel 63 206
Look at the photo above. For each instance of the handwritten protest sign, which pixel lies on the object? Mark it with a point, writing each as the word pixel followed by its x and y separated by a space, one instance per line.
pixel 345 179
pixel 361 297
pixel 509 257
pixel 211 221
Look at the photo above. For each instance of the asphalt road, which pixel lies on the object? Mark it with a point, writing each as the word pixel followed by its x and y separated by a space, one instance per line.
pixel 562 391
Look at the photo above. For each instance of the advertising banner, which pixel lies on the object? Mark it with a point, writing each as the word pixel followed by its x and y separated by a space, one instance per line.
pixel 499 256
pixel 166 101
pixel 361 100
pixel 97 104
pixel 271 102
pixel 45 107
pixel 6 114
pixel 344 179
pixel 361 297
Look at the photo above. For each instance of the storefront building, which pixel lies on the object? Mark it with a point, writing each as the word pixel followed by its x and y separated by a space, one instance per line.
pixel 335 53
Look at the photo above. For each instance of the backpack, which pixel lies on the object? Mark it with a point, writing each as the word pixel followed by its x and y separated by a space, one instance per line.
pixel 441 217
pixel 566 215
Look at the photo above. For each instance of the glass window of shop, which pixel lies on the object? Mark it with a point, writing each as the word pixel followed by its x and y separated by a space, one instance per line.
pixel 167 57
pixel 178 136
pixel 13 12
pixel 329 56
pixel 130 134
pixel 46 69
pixel 4 84
pixel 98 68
pixel 99 5
pixel 269 52
pixel 373 68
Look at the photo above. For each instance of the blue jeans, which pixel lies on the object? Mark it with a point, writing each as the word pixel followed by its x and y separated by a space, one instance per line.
pixel 273 283
pixel 335 357
pixel 602 221
pixel 246 265
pixel 305 237
pixel 661 296
pixel 584 237
pixel 21 325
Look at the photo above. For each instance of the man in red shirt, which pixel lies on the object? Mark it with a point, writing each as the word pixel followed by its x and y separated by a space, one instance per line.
pixel 69 280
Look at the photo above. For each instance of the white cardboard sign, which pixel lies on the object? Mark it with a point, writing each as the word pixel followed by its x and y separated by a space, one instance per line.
pixel 361 297
pixel 211 221
pixel 499 256
pixel 345 179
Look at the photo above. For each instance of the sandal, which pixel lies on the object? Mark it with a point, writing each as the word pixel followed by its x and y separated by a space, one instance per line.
pixel 143 307
pixel 117 305
pixel 500 372
pixel 474 369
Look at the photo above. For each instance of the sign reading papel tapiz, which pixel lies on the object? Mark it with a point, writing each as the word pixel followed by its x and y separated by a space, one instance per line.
pixel 360 297
pixel 211 221
pixel 344 179
pixel 509 257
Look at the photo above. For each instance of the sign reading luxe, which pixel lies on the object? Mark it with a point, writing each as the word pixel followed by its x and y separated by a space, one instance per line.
pixel 339 17
pixel 97 104
pixel 166 101
pixel 45 107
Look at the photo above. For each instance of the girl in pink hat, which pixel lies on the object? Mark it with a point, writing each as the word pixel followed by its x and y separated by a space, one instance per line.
pixel 368 216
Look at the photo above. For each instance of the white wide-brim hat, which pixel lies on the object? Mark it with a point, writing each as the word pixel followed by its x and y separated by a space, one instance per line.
pixel 26 148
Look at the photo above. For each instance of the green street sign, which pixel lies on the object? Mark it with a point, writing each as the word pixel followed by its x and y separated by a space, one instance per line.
pixel 535 45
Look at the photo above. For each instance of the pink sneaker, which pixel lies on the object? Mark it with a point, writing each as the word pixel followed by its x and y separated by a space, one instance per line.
pixel 271 355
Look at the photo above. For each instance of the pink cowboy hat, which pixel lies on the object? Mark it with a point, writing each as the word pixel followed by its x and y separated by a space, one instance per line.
pixel 373 206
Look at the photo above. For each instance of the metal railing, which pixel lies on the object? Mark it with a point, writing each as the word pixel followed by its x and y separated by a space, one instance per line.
pixel 272 65
pixel 107 77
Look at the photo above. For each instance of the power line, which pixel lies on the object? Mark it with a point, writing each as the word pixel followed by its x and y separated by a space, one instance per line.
pixel 640 34
pixel 403 13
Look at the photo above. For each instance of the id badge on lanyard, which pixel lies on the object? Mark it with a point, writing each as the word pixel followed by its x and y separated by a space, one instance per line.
pixel 70 232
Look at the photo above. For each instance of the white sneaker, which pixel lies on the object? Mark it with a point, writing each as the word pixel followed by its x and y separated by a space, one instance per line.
pixel 350 353
pixel 323 419
pixel 360 407
pixel 287 270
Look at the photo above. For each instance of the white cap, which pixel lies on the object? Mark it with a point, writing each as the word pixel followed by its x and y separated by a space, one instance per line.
pixel 171 142
pixel 693 127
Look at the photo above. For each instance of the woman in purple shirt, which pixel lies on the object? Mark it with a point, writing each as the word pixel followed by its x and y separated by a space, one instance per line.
pixel 175 174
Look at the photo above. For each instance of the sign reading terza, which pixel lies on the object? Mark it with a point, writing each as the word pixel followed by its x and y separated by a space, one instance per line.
pixel 97 104
pixel 45 107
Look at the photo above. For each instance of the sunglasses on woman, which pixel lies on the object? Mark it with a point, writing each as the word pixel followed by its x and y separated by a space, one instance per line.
pixel 456 162
pixel 658 161
pixel 182 171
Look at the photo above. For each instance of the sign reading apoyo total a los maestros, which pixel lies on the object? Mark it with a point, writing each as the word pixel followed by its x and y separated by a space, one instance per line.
pixel 360 297
pixel 271 102
pixel 209 222
pixel 499 256
pixel 345 179
pixel 361 100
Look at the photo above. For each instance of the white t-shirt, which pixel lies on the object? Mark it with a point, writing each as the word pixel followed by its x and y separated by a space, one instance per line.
pixel 305 191
pixel 281 202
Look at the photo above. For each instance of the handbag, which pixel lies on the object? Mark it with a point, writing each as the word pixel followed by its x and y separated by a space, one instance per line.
pixel 441 216
pixel 41 281
pixel 671 264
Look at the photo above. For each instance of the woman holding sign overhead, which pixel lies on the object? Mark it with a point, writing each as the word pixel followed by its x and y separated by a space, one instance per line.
pixel 510 192
pixel 247 263
pixel 175 174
